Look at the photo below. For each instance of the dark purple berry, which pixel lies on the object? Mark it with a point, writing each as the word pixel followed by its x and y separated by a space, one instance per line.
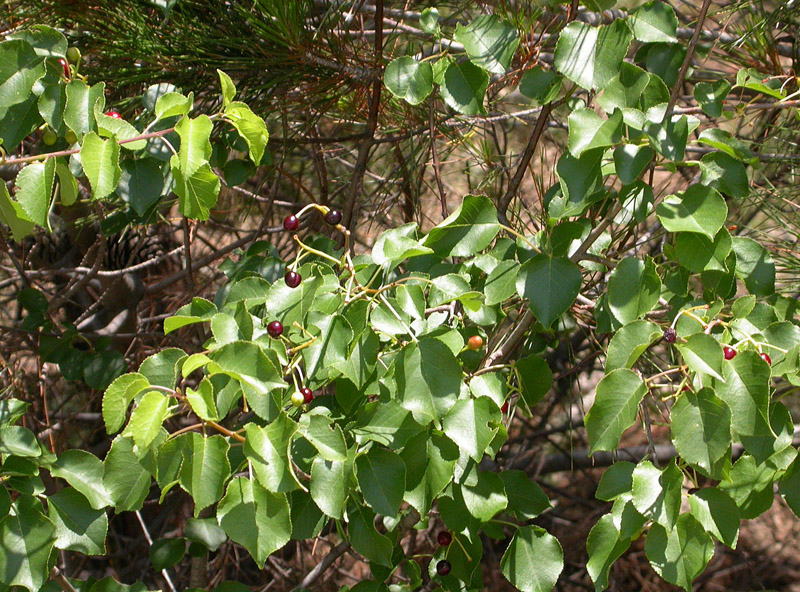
pixel 670 336
pixel 308 394
pixel 444 538
pixel 333 217
pixel 275 329
pixel 292 279
pixel 728 352
pixel 443 567
pixel 291 223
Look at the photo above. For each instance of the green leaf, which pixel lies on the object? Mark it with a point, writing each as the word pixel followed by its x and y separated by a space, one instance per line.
pixel 464 88
pixel 79 527
pixel 718 514
pixel 206 532
pixel 698 253
pixel 255 518
pixel 12 214
pixel 333 335
pixel 26 540
pixel 250 127
pixel 592 56
pixel 19 441
pixel 551 284
pixel 428 379
pixel 701 428
pixel 746 391
pixel 667 137
pixel 725 173
pixel 146 419
pixel 657 492
pixel 365 539
pixel 46 41
pixel 199 310
pixel 68 185
pixel 51 105
pixel 84 471
pixel 470 424
pixel 588 130
pixel 754 266
pixel 330 485
pixel 79 109
pixel 307 519
pixel 616 481
pixel 501 283
pixel 699 209
pixel 711 95
pixel 165 553
pixel 325 436
pixel 198 193
pixel 525 498
pixel 630 342
pixel 408 79
pixel 120 129
pixel 20 68
pixel 162 369
pixel 202 401
pixel 633 289
pixel 681 554
pixel 605 545
pixel 100 161
pixel 430 461
pixel 381 475
pixel 723 141
pixel 756 81
pixel 228 88
pixel 124 476
pixel 750 485
pixel 205 470
pixel 533 560
pixel 246 362
pixel 490 42
pixel 429 20
pixel 467 231
pixel 654 22
pixel 195 148
pixel 579 179
pixel 35 190
pixel 396 245
pixel 173 104
pixel 486 498
pixel 539 85
pixel 18 122
pixel 614 410
pixel 630 161
pixel 702 353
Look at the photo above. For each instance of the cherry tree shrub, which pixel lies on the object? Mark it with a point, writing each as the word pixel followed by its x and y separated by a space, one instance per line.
pixel 360 395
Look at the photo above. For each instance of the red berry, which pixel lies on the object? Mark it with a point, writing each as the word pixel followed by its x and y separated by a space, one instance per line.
pixel 292 279
pixel 63 63
pixel 114 114
pixel 308 394
pixel 291 223
pixel 443 567
pixel 475 342
pixel 728 352
pixel 766 358
pixel 670 336
pixel 444 538
pixel 275 329
pixel 504 408
pixel 333 217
